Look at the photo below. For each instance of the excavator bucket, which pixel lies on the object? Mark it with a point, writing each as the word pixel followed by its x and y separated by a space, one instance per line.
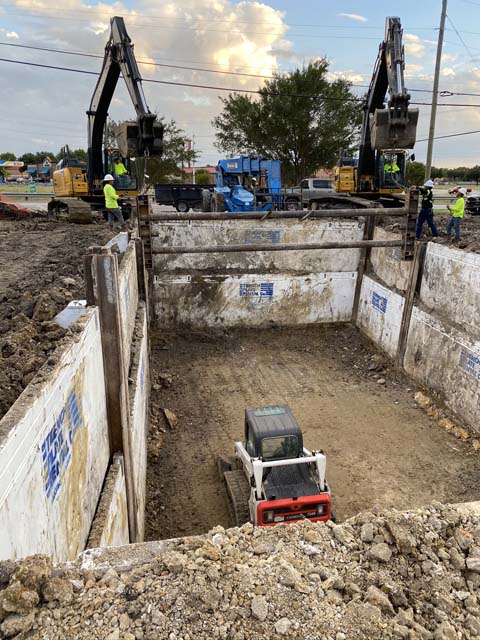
pixel 132 142
pixel 389 131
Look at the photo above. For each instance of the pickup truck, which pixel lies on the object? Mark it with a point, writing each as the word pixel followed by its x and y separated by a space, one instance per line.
pixel 182 196
pixel 308 190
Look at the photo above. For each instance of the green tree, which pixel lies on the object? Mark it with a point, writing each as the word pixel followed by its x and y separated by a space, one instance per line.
pixel 177 153
pixel 415 173
pixel 28 158
pixel 7 155
pixel 203 177
pixel 300 118
pixel 473 174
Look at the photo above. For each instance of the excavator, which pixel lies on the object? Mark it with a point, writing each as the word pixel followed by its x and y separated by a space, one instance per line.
pixel 78 186
pixel 378 173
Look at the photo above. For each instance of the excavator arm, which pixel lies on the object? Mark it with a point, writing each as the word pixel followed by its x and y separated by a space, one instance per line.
pixel 139 138
pixel 393 126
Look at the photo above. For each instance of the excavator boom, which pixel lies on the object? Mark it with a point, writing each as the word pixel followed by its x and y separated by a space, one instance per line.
pixel 395 126
pixel 143 136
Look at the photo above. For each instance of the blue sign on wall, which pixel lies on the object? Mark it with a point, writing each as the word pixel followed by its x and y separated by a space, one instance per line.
pixel 57 445
pixel 379 302
pixel 470 363
pixel 256 290
pixel 262 235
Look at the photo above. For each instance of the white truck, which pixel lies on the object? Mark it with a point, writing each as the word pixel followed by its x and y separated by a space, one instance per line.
pixel 308 190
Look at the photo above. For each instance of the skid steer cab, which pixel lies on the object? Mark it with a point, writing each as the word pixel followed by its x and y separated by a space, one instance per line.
pixel 272 477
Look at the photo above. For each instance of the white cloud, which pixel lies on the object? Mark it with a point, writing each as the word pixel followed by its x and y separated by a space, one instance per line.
pixel 222 35
pixel 414 46
pixel 352 16
pixel 12 34
pixel 447 57
pixel 352 76
pixel 447 72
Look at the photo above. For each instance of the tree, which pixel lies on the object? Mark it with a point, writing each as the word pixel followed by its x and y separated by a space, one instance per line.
pixel 473 174
pixel 300 118
pixel 202 177
pixel 37 157
pixel 415 173
pixel 7 156
pixel 177 152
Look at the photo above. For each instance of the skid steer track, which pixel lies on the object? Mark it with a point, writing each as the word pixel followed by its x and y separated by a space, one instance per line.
pixel 238 494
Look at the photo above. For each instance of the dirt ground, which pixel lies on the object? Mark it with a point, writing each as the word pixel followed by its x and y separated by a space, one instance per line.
pixel 41 272
pixel 381 448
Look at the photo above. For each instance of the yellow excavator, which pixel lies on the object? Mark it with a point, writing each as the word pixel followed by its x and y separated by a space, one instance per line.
pixel 379 171
pixel 378 174
pixel 77 185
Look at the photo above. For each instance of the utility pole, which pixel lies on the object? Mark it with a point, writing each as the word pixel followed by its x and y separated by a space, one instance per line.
pixel 436 78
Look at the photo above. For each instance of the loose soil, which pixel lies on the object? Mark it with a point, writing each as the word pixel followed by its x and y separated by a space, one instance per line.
pixel 381 448
pixel 42 271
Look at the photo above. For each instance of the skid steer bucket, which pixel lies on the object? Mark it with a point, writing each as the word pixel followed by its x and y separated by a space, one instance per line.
pixel 389 131
pixel 132 141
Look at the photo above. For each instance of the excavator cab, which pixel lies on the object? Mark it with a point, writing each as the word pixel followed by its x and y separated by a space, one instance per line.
pixel 391 168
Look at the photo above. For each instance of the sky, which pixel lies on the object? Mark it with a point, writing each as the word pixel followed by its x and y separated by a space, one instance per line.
pixel 222 41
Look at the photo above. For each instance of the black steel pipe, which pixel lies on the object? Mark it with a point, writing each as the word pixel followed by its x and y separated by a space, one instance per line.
pixel 275 215
pixel 241 248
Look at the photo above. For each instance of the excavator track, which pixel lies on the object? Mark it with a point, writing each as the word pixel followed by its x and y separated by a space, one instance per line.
pixel 238 495
pixel 71 209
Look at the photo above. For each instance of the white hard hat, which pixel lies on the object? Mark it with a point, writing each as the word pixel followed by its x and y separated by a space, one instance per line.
pixel 463 191
pixel 428 183
pixel 108 177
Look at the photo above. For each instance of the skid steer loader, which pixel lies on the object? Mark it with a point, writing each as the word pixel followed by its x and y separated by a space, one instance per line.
pixel 272 478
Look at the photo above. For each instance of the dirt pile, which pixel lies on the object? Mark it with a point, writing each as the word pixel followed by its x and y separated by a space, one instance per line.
pixel 42 271
pixel 390 575
pixel 469 230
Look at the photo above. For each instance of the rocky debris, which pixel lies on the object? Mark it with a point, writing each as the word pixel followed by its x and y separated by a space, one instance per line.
pixel 171 418
pixel 42 271
pixel 264 583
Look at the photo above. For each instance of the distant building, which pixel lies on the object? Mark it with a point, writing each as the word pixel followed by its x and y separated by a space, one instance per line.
pixel 11 169
pixel 210 169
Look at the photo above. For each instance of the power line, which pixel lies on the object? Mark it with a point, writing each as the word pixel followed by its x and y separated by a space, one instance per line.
pixel 451 135
pixel 158 64
pixel 469 53
pixel 208 20
pixel 231 89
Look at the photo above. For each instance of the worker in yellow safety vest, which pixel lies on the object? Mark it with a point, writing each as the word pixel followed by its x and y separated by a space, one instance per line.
pixel 391 167
pixel 111 202
pixel 457 210
pixel 121 173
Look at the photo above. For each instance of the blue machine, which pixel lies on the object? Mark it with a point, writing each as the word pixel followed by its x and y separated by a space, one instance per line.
pixel 237 180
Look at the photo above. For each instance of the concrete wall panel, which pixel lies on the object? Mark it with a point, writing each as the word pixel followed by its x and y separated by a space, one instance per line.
pixel 253 300
pixel 451 285
pixel 139 397
pixel 206 233
pixel 128 292
pixel 387 262
pixel 380 314
pixel 447 361
pixel 110 527
pixel 54 453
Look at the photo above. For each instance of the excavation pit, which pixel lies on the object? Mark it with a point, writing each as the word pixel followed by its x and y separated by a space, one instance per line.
pixel 382 449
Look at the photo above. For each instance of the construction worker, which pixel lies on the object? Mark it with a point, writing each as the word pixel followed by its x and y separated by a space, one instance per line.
pixel 426 211
pixel 121 172
pixel 111 202
pixel 457 210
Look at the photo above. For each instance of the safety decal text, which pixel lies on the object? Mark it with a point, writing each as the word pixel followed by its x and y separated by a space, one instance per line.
pixel 379 302
pixel 57 445
pixel 470 363
pixel 262 235
pixel 256 290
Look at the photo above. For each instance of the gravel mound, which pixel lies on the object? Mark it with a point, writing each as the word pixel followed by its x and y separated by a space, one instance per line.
pixel 376 576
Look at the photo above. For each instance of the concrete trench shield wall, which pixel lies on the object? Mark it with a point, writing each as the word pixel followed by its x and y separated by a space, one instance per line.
pixel 255 288
pixel 445 360
pixel 54 453
pixel 139 399
pixel 205 233
pixel 380 314
pixel 253 300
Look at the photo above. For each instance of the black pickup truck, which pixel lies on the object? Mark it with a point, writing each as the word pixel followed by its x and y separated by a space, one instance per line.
pixel 182 196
